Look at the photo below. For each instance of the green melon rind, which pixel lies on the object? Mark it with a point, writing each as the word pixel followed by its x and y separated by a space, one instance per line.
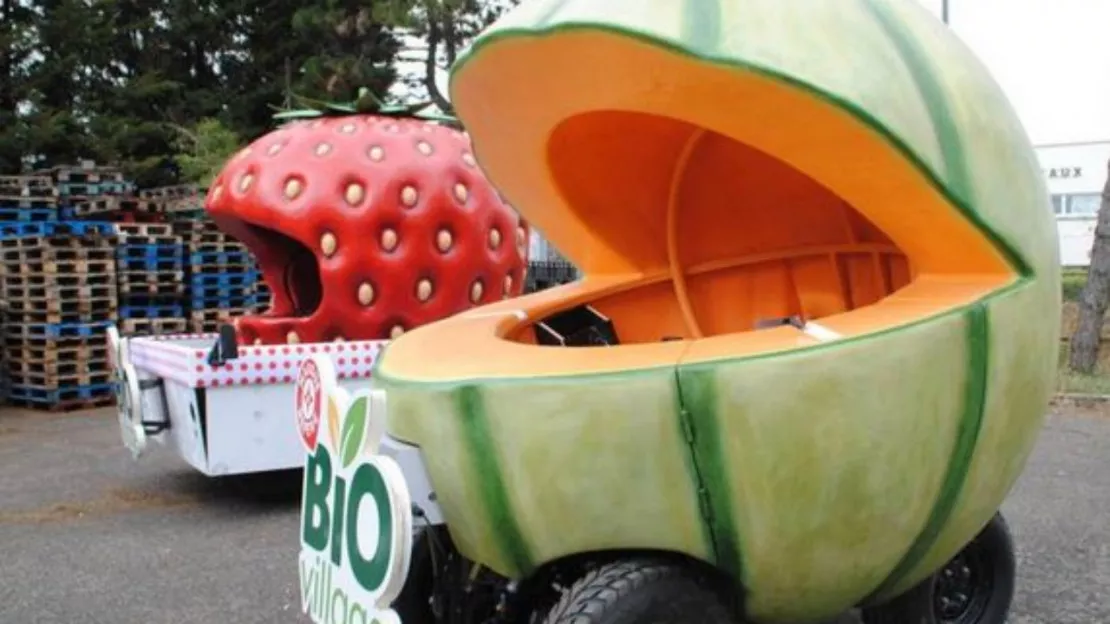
pixel 461 467
pixel 996 176
pixel 597 467
pixel 526 475
pixel 828 486
pixel 963 450
pixel 1014 408
pixel 486 461
pixel 1001 176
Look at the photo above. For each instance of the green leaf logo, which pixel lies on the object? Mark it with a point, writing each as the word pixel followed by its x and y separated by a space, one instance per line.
pixel 354 431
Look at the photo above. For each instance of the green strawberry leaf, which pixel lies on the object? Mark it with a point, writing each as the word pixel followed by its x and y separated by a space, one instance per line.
pixel 366 103
pixel 353 433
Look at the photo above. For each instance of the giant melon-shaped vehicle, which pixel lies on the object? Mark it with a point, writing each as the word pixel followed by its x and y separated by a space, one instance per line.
pixel 815 336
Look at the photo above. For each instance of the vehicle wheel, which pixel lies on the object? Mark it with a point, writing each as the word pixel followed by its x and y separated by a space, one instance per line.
pixel 640 592
pixel 974 587
pixel 415 602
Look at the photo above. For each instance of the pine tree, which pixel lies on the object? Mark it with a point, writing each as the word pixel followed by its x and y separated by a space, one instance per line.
pixel 444 28
pixel 16 45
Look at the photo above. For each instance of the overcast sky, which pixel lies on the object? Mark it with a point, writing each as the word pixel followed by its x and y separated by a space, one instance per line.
pixel 1051 56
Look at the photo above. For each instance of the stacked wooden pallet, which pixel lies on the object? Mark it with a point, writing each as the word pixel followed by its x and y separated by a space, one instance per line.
pixel 25 200
pixel 58 296
pixel 91 192
pixel 179 203
pixel 150 263
pixel 219 275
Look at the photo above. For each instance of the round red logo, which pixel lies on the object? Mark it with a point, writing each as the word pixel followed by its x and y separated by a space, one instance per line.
pixel 309 403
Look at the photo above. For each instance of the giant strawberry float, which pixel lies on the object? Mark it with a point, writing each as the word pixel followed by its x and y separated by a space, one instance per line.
pixel 814 342
pixel 367 221
pixel 366 225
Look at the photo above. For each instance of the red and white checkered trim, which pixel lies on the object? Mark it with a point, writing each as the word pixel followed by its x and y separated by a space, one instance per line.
pixel 166 357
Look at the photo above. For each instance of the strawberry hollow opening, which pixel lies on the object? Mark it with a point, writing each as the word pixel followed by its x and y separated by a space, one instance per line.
pixel 290 270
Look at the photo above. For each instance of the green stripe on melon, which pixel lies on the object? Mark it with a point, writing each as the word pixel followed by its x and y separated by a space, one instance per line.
pixel 831 475
pixel 554 467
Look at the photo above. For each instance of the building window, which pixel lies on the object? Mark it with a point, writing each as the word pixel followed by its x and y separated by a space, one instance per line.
pixel 1085 204
pixel 1058 204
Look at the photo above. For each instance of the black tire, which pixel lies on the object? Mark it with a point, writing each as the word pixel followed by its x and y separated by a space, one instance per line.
pixel 642 591
pixel 975 587
pixel 414 602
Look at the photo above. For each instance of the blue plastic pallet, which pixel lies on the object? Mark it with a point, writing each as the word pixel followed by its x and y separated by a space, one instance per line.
pixel 150 264
pixel 222 280
pixel 221 290
pixel 219 303
pixel 149 252
pixel 220 257
pixel 151 311
pixel 54 228
pixel 64 330
pixel 41 395
pixel 16 213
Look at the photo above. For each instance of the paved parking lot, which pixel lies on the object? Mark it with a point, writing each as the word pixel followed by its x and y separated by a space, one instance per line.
pixel 88 536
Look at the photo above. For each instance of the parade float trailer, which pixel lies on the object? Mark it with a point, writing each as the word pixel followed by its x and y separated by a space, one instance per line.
pixel 366 221
pixel 225 409
pixel 810 353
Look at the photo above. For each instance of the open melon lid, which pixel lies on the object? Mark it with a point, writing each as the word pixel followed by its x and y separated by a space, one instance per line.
pixel 663 136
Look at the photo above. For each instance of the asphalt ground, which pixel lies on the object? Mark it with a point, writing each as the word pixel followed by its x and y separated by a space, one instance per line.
pixel 87 536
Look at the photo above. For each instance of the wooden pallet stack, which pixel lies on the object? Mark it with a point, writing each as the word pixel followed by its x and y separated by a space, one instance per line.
pixel 179 203
pixel 89 191
pixel 219 275
pixel 261 296
pixel 150 273
pixel 26 200
pixel 58 296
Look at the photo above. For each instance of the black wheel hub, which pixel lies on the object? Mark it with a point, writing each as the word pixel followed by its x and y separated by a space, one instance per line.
pixel 963 588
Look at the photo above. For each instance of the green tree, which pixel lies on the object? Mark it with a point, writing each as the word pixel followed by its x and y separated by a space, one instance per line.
pixel 16 45
pixel 58 76
pixel 446 27
pixel 325 50
pixel 204 149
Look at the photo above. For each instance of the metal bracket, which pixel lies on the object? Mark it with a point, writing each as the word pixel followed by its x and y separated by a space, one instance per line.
pixel 153 427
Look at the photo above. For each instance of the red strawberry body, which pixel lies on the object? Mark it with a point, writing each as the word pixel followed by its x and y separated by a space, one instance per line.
pixel 367 226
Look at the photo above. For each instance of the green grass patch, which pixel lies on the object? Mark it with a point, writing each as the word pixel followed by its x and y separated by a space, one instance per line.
pixel 1072 282
pixel 1071 382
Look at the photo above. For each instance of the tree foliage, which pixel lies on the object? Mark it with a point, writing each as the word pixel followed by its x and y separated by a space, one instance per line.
pixel 203 150
pixel 162 86
pixel 443 29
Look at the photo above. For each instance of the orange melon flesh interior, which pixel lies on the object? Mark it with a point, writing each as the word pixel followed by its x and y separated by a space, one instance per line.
pixel 687 209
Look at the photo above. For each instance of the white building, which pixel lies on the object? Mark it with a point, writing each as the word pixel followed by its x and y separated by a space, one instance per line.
pixel 1076 174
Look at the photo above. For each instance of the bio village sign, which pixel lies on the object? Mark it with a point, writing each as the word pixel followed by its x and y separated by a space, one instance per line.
pixel 356 512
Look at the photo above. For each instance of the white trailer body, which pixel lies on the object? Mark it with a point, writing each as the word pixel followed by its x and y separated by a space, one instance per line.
pixel 234 418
